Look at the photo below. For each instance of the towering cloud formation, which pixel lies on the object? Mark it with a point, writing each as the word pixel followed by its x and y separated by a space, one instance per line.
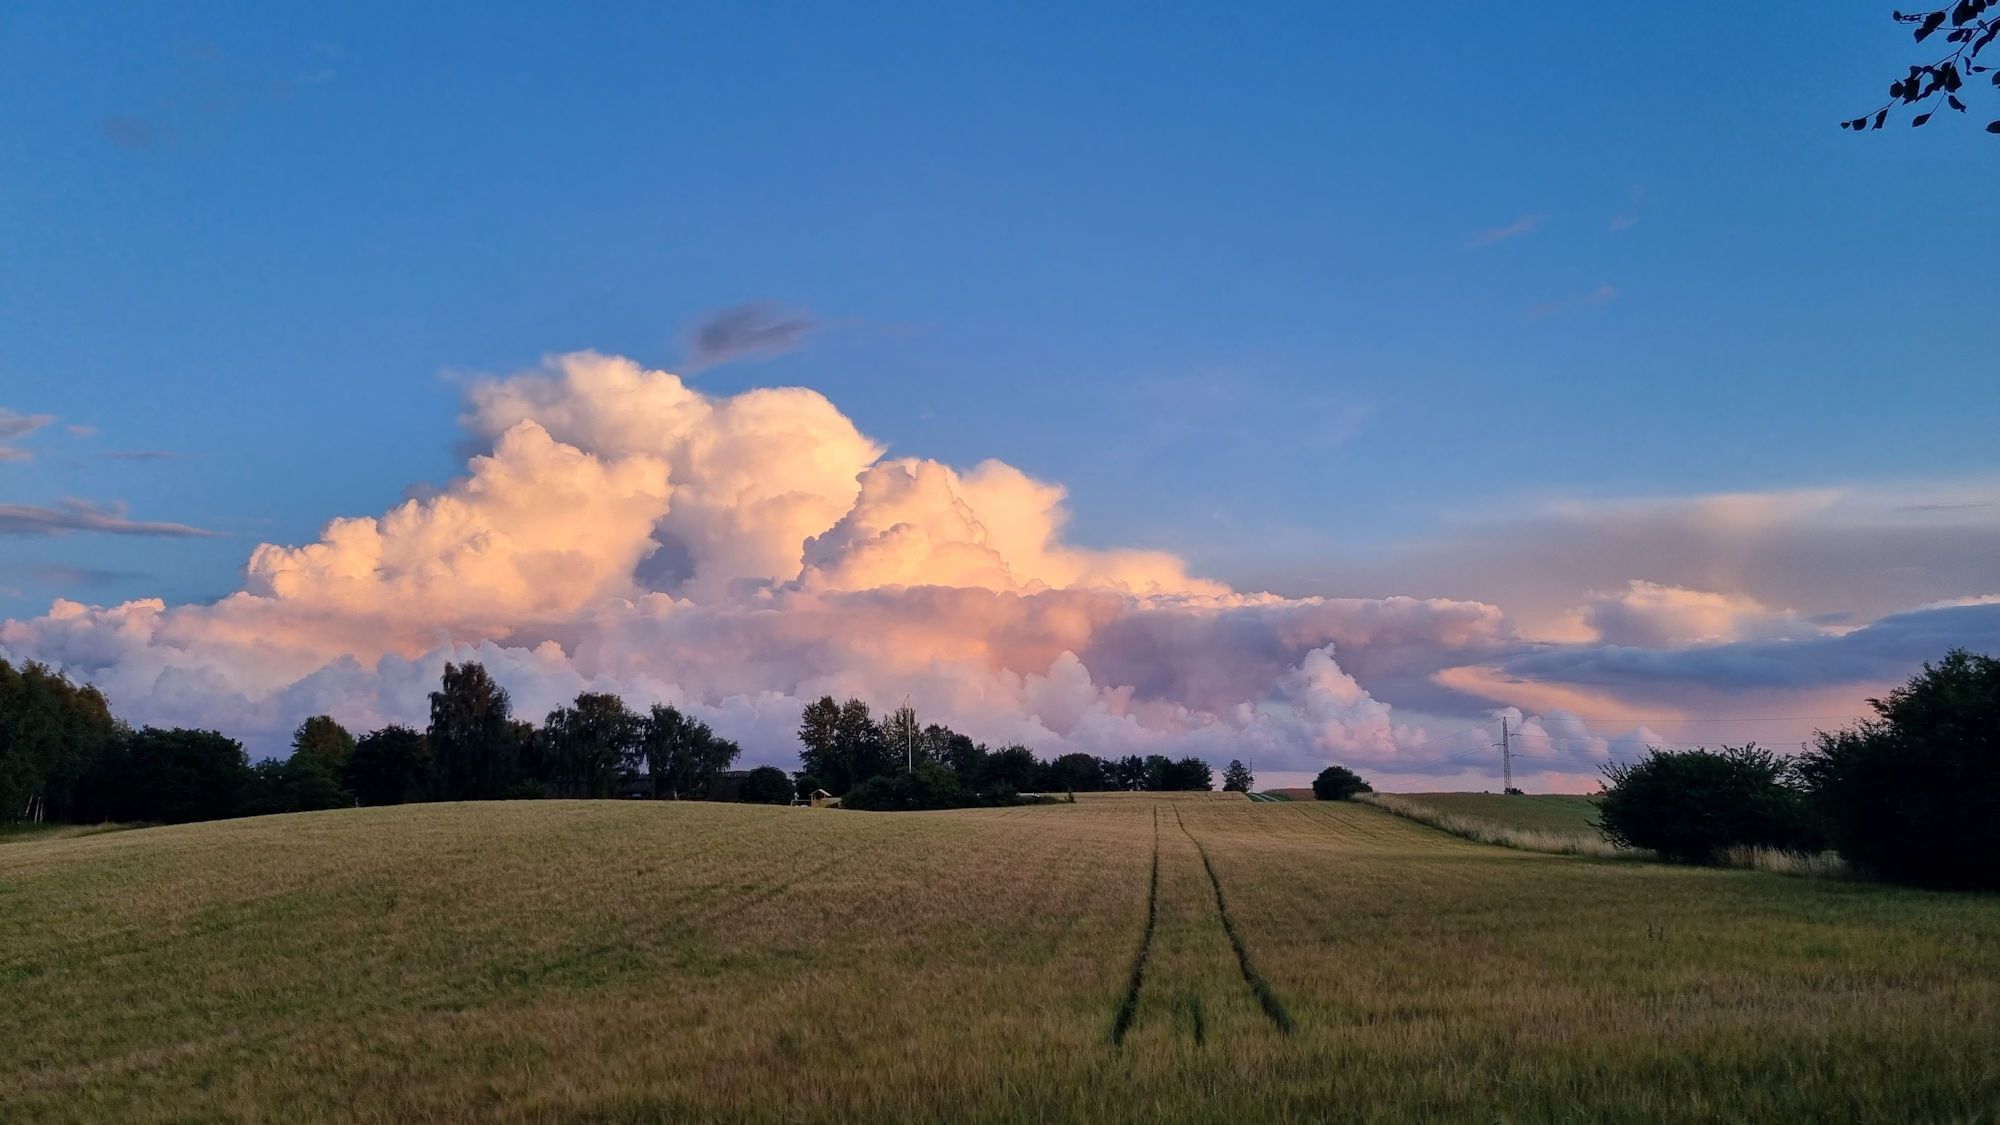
pixel 741 555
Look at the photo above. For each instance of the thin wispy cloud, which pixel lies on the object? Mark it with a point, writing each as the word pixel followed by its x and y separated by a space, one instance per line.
pixel 139 455
pixel 208 86
pixel 1596 296
pixel 13 426
pixel 80 431
pixel 82 515
pixel 1518 227
pixel 756 330
pixel 135 133
pixel 64 574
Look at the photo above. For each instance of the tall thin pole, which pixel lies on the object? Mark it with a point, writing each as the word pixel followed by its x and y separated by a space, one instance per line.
pixel 1507 755
pixel 909 737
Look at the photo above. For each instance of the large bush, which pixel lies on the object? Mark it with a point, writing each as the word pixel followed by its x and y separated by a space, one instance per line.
pixel 1914 794
pixel 766 785
pixel 1693 805
pixel 928 786
pixel 1338 783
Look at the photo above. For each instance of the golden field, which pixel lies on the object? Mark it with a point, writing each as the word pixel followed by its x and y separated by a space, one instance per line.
pixel 610 961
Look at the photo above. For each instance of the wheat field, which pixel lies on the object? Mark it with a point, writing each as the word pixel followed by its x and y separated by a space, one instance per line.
pixel 1125 958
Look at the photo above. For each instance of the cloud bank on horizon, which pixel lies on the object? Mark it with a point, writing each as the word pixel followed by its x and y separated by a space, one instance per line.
pixel 741 555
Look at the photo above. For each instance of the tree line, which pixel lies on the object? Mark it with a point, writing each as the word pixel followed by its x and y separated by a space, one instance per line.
pixel 65 757
pixel 894 763
pixel 1911 795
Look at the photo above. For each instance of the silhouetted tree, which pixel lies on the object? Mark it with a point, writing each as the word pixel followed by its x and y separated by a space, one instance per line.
pixel 928 786
pixel 1076 773
pixel 178 776
pixel 1338 783
pixel 766 785
pixel 682 755
pixel 843 746
pixel 1237 778
pixel 1189 775
pixel 901 736
pixel 583 746
pixel 55 739
pixel 1913 795
pixel 475 746
pixel 1131 773
pixel 1011 766
pixel 300 783
pixel 1965 23
pixel 324 739
pixel 391 766
pixel 955 751
pixel 1693 805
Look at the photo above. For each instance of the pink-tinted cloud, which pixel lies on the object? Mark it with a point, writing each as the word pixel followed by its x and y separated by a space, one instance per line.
pixel 742 554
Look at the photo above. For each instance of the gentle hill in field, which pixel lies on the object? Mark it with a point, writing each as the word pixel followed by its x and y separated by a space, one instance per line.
pixel 1125 958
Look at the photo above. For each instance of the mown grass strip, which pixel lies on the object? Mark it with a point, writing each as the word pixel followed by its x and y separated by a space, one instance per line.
pixel 1128 1006
pixel 1259 987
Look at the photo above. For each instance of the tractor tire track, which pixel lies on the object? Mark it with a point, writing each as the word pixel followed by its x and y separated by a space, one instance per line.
pixel 1128 1005
pixel 1259 987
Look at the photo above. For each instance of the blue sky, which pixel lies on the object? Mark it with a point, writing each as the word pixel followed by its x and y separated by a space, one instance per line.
pixel 1281 289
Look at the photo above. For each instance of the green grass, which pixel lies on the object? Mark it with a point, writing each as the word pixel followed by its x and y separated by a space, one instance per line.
pixel 16 833
pixel 612 961
pixel 1554 812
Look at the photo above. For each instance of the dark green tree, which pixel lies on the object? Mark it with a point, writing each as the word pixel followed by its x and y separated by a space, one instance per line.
pixel 178 776
pixel 391 766
pixel 1694 805
pixel 475 746
pixel 819 732
pixel 1013 767
pixel 1076 773
pixel 682 755
pixel 1237 778
pixel 55 741
pixel 585 745
pixel 1189 775
pixel 902 737
pixel 1132 773
pixel 841 744
pixel 1913 795
pixel 324 739
pixel 300 783
pixel 928 786
pixel 955 751
pixel 1338 783
pixel 767 785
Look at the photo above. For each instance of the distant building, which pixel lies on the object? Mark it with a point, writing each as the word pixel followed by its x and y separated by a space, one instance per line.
pixel 727 786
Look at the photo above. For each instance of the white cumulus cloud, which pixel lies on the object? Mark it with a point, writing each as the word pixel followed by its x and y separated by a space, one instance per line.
pixel 741 555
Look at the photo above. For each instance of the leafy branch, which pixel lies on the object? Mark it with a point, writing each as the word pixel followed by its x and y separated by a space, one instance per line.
pixel 1939 83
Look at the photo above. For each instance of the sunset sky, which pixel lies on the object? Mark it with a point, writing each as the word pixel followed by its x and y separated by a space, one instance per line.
pixel 1300 381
